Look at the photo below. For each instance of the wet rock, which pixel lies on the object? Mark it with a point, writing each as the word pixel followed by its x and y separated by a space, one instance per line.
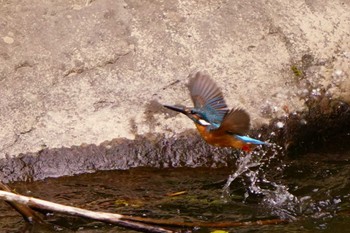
pixel 302 132
pixel 184 150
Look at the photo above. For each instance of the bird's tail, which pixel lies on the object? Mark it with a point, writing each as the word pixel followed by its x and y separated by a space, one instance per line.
pixel 250 140
pixel 249 143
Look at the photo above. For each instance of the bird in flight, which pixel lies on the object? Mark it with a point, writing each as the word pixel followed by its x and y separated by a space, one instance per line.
pixel 218 125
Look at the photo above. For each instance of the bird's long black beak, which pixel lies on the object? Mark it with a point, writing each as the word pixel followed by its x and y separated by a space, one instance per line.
pixel 177 108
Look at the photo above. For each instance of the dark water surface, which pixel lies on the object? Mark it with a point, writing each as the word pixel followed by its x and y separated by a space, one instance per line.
pixel 311 191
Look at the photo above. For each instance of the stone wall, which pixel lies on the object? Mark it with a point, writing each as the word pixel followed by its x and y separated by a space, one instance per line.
pixel 76 72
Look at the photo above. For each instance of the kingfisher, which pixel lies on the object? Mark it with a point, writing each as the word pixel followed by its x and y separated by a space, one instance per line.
pixel 217 125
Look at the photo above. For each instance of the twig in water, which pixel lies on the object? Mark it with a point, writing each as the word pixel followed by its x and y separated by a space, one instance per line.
pixel 27 213
pixel 131 222
pixel 116 219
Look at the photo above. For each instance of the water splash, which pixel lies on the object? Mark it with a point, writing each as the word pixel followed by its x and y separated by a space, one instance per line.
pixel 261 172
pixel 251 167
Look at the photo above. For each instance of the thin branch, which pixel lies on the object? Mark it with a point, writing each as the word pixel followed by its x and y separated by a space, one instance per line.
pixel 27 213
pixel 133 222
pixel 116 219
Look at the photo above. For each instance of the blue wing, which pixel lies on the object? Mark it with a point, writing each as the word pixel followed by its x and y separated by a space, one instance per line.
pixel 208 100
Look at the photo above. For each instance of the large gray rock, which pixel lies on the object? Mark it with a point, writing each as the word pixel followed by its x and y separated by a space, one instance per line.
pixel 77 72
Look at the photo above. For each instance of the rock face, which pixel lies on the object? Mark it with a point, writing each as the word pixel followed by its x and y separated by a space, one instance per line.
pixel 76 72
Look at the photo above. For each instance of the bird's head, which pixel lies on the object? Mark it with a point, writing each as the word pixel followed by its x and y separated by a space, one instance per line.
pixel 195 115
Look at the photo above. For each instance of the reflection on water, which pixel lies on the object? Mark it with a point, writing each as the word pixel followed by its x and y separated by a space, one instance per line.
pixel 313 192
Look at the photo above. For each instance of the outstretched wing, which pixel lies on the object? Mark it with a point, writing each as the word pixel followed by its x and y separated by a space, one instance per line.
pixel 237 121
pixel 208 99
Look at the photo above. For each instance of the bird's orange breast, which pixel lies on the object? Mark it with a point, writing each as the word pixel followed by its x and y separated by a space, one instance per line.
pixel 222 139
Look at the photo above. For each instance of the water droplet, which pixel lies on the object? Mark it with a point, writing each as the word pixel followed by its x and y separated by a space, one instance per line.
pixel 303 122
pixel 280 124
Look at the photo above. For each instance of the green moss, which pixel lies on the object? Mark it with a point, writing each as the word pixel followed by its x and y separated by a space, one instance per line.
pixel 297 72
